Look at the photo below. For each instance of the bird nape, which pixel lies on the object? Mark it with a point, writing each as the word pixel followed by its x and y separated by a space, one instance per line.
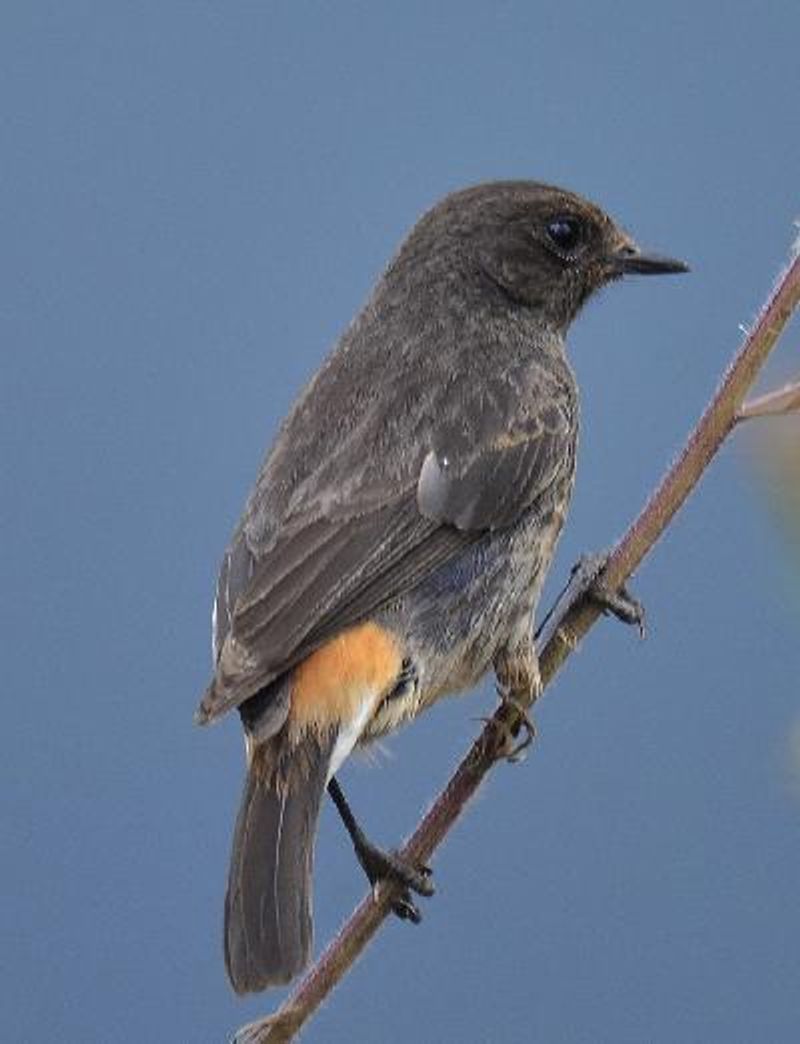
pixel 395 543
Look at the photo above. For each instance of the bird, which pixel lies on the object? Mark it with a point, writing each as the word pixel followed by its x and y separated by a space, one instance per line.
pixel 393 548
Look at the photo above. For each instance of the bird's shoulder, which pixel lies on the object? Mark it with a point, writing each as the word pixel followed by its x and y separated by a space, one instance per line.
pixel 361 430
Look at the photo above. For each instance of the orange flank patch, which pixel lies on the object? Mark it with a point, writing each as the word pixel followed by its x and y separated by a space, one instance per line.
pixel 331 685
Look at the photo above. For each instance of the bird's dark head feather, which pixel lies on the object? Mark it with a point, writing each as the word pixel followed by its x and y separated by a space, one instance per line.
pixel 538 246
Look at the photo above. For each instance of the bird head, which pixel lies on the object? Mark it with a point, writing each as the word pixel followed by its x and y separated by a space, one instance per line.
pixel 538 246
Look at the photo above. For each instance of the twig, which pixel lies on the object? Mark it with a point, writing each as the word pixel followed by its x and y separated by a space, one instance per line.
pixel 711 431
pixel 782 400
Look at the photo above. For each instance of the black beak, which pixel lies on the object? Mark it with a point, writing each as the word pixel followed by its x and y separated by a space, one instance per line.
pixel 630 260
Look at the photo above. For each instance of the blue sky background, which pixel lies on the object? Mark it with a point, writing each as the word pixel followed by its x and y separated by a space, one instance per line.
pixel 196 198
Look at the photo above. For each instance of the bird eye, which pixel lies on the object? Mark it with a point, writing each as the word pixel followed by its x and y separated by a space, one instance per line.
pixel 565 233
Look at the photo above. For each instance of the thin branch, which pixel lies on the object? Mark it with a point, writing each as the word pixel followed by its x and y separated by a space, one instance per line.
pixel 711 431
pixel 774 403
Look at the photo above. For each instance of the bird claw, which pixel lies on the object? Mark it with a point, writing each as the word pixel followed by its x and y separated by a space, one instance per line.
pixel 508 746
pixel 585 583
pixel 404 908
pixel 622 604
pixel 391 868
pixel 586 574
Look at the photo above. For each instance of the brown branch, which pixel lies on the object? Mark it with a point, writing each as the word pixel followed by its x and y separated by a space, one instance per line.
pixel 711 431
pixel 774 403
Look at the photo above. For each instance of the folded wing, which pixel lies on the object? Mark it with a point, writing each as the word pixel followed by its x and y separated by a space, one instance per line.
pixel 328 569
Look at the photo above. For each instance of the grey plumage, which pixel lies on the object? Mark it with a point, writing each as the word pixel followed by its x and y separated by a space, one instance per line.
pixel 448 353
pixel 419 484
pixel 268 928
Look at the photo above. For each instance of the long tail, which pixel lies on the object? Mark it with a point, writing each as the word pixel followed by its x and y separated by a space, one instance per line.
pixel 268 927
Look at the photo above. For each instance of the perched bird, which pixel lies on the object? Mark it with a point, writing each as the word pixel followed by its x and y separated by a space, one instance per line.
pixel 394 546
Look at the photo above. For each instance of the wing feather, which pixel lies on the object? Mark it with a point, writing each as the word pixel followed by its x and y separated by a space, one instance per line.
pixel 326 571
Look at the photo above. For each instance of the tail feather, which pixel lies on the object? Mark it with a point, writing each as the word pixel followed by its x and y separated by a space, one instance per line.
pixel 268 927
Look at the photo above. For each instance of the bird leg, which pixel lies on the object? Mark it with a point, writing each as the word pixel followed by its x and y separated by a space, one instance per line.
pixel 380 865
pixel 586 582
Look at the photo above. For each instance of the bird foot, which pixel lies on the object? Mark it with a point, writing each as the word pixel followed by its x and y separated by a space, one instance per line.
pixel 586 583
pixel 391 867
pixel 586 574
pixel 507 745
